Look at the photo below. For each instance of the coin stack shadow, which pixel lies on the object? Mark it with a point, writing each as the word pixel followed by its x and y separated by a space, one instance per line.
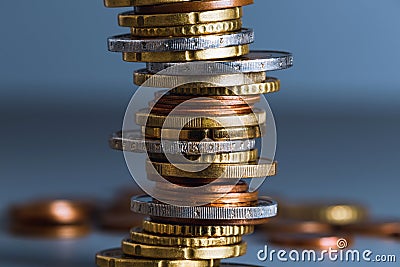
pixel 209 125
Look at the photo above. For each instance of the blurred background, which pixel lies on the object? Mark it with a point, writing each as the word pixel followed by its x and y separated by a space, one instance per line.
pixel 62 94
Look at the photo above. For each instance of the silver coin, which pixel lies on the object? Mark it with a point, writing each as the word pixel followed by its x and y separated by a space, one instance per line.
pixel 265 208
pixel 128 43
pixel 255 61
pixel 133 141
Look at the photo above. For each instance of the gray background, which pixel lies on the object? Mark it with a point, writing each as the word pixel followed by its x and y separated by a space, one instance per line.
pixel 62 94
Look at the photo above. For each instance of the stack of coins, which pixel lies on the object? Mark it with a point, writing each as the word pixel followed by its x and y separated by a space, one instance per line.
pixel 201 136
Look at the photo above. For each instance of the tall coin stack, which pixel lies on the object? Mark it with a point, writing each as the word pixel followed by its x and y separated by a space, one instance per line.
pixel 202 136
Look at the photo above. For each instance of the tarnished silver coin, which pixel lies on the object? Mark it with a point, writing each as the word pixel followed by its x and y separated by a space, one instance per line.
pixel 133 141
pixel 255 61
pixel 127 43
pixel 265 208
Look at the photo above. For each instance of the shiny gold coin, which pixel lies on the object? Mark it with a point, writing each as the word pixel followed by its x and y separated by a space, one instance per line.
pixel 128 3
pixel 188 30
pixel 196 230
pixel 116 258
pixel 270 85
pixel 138 236
pixel 221 134
pixel 143 77
pixel 187 253
pixel 50 231
pixel 311 241
pixel 56 211
pixel 225 158
pixel 183 56
pixel 173 121
pixel 261 169
pixel 131 19
pixel 336 214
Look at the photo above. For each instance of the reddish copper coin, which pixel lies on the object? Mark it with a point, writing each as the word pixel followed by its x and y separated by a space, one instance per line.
pixel 58 211
pixel 50 231
pixel 201 111
pixel 240 187
pixel 220 200
pixel 191 6
pixel 212 100
pixel 119 221
pixel 209 222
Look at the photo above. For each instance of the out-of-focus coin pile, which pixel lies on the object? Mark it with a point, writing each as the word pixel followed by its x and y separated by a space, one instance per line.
pixel 200 136
pixel 320 225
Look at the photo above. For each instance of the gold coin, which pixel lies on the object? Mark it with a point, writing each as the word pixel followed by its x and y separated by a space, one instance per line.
pixel 270 85
pixel 143 118
pixel 232 157
pixel 337 214
pixel 128 3
pixel 143 77
pixel 181 56
pixel 116 258
pixel 138 236
pixel 221 134
pixel 131 19
pixel 213 171
pixel 196 230
pixel 186 253
pixel 189 30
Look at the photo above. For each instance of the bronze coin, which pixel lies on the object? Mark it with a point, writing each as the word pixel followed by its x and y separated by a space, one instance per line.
pixel 50 231
pixel 209 222
pixel 191 6
pixel 119 221
pixel 212 100
pixel 223 110
pixel 56 211
pixel 311 241
pixel 240 187
pixel 296 226
pixel 217 199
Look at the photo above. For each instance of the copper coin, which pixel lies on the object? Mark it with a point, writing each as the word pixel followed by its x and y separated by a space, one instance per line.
pixel 384 228
pixel 212 100
pixel 223 110
pixel 296 226
pixel 311 241
pixel 220 199
pixel 233 204
pixel 50 231
pixel 121 201
pixel 209 222
pixel 58 211
pixel 120 221
pixel 240 187
pixel 183 181
pixel 191 6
